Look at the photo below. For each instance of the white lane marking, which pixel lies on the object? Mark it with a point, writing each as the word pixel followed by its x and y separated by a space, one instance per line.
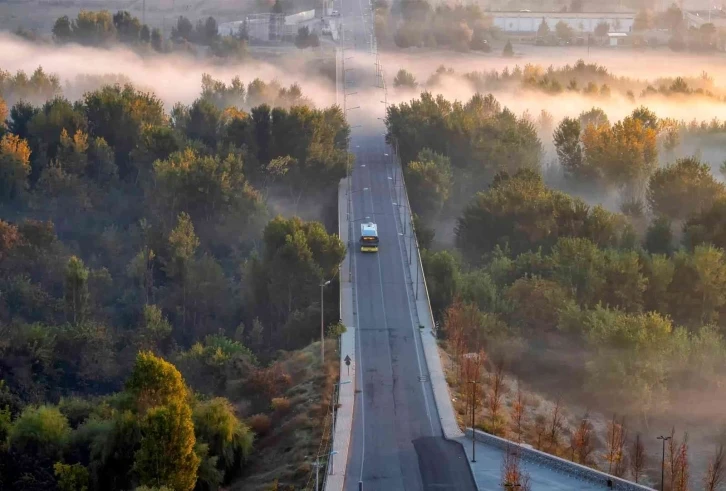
pixel 416 335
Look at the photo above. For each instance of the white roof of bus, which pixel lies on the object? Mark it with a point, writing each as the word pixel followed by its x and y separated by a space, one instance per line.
pixel 368 229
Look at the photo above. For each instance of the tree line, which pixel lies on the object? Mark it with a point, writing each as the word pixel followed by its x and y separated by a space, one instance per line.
pixel 627 309
pixel 588 79
pixel 125 229
pixel 103 29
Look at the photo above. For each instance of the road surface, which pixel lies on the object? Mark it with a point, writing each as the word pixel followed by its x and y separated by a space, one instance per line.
pixel 397 442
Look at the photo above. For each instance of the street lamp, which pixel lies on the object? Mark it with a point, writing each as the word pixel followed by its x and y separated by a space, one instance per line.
pixel 318 465
pixel 662 462
pixel 473 414
pixel 322 328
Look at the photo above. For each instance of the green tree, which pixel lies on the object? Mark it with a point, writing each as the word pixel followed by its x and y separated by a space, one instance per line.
pixel 405 79
pixel 39 430
pixel 76 291
pixel 228 438
pixel 128 28
pixel 707 226
pixel 659 237
pixel 166 456
pixel 118 115
pixel 71 477
pixel 543 30
pixel 569 149
pixel 564 31
pixel 428 180
pixel 442 279
pixel 183 243
pixel 63 30
pixel 681 189
pixel 508 50
pixel 155 327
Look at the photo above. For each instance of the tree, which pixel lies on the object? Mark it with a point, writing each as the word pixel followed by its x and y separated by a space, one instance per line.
pixel 707 226
pixel 429 182
pixel 62 30
pixel 155 327
pixel 39 430
pixel 183 243
pixel 184 30
pixel 157 41
pixel 643 21
pixel 659 237
pixel 543 30
pixel 76 290
pixel 602 29
pixel 14 167
pixel 569 150
pixel 582 441
pixel 512 474
pixel 714 478
pixel 638 461
pixel 564 31
pixel 508 50
pixel 71 477
pixel 155 382
pixel 684 188
pixel 228 438
pixel 405 79
pixel 128 28
pixel 442 275
pixel 166 456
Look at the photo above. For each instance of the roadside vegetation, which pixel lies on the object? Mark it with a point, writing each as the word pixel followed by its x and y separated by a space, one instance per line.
pixel 544 295
pixel 157 311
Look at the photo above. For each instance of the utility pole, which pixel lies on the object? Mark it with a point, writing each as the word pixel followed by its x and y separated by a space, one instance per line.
pixel 662 463
pixel 473 415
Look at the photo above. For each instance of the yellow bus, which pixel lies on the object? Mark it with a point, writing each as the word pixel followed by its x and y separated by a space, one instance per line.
pixel 369 237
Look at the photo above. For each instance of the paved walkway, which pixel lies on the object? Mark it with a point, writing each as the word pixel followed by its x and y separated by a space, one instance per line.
pixel 488 471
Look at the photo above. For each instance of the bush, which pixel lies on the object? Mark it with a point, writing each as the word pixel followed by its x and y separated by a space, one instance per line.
pixel 260 424
pixel 280 405
pixel 335 330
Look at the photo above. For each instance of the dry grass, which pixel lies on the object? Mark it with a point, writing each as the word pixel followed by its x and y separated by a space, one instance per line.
pixel 286 452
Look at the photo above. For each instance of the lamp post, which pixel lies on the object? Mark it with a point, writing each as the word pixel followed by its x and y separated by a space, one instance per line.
pixel 662 462
pixel 473 414
pixel 322 326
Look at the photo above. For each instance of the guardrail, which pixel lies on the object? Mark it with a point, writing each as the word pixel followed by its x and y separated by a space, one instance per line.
pixel 557 463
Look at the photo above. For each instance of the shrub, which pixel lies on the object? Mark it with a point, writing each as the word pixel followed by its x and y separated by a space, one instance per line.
pixel 280 405
pixel 260 424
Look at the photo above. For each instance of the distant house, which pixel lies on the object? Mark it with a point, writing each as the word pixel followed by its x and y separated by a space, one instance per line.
pixel 529 22
pixel 616 38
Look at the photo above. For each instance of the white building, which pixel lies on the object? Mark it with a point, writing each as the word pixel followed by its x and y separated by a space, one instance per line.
pixel 268 27
pixel 529 22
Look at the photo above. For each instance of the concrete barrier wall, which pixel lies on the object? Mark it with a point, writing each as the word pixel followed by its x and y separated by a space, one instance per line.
pixel 442 395
pixel 557 463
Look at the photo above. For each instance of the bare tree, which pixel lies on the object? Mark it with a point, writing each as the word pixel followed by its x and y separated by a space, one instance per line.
pixel 672 456
pixel 715 474
pixel 637 458
pixel 581 441
pixel 540 427
pixel 512 473
pixel 518 411
pixel 621 463
pixel 496 386
pixel 553 434
pixel 682 468
pixel 615 446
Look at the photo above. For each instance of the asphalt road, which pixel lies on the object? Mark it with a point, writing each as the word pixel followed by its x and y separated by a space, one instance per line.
pixel 397 441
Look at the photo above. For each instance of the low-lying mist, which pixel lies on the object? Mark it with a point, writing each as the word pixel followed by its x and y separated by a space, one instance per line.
pixel 173 78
